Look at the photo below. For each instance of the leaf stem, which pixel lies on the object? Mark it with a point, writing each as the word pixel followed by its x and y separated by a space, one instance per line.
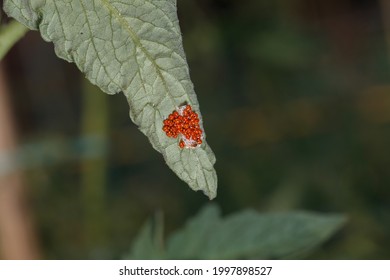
pixel 9 35
pixel 94 171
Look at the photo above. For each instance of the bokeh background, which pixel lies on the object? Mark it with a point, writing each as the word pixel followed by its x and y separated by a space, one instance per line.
pixel 295 97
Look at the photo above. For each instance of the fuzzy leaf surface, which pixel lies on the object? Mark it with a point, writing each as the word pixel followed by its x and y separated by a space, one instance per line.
pixel 134 47
pixel 251 235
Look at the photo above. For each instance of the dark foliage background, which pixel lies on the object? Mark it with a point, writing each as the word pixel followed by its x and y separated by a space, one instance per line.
pixel 295 97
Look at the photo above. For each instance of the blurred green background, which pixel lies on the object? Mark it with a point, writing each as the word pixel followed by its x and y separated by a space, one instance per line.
pixel 295 97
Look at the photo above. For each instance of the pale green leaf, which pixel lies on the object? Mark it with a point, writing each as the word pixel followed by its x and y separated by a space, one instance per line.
pixel 134 47
pixel 144 246
pixel 251 235
pixel 192 240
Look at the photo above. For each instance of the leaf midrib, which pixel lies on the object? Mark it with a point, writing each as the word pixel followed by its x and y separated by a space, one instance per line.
pixel 138 44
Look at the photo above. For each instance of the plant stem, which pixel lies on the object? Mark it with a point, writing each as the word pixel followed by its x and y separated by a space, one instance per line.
pixel 9 35
pixel 94 172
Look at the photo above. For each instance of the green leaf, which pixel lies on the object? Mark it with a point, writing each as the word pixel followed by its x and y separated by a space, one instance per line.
pixel 250 235
pixel 144 246
pixel 192 240
pixel 134 47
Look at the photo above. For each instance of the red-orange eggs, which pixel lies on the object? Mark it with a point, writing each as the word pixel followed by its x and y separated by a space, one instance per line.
pixel 184 123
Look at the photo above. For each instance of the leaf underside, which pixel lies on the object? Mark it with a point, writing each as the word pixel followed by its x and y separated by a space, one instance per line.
pixel 244 235
pixel 134 47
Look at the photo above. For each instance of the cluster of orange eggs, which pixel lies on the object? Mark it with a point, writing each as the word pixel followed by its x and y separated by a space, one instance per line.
pixel 184 123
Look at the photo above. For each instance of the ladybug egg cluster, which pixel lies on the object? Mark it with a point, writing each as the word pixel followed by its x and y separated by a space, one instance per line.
pixel 184 123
